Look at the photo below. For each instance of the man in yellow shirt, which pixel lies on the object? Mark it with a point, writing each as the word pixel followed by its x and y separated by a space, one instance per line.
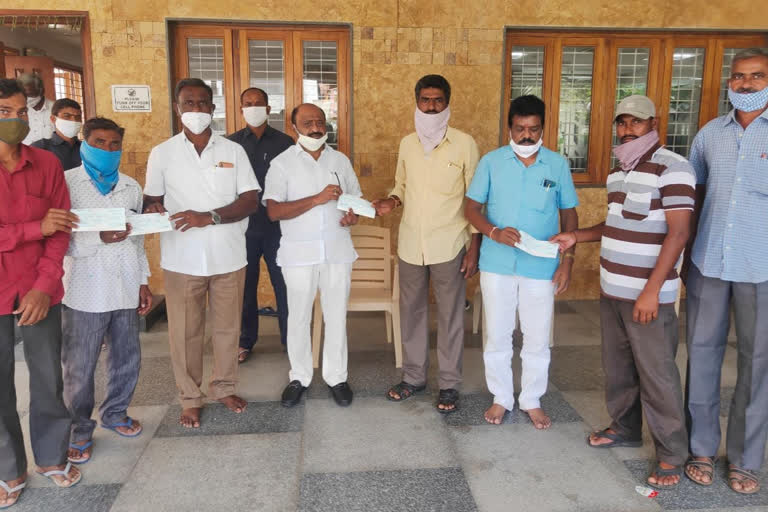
pixel 434 169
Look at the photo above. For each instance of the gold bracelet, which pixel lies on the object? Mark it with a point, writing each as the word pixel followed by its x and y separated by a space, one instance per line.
pixel 568 255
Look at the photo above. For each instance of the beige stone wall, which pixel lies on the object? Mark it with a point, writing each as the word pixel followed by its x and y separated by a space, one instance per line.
pixel 394 43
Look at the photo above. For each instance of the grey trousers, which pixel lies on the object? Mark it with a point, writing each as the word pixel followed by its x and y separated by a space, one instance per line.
pixel 49 420
pixel 708 323
pixel 641 376
pixel 450 292
pixel 83 334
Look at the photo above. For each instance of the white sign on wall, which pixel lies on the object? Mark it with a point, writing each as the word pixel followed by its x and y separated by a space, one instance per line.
pixel 131 98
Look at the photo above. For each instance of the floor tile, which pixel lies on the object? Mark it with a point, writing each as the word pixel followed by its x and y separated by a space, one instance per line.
pixel 156 384
pixel 263 376
pixel 473 406
pixel 689 496
pixel 370 373
pixel 577 368
pixel 93 498
pixel 374 434
pixel 216 419
pixel 520 468
pixel 423 490
pixel 206 473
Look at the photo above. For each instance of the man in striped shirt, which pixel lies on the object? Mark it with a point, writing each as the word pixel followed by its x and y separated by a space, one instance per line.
pixel 650 200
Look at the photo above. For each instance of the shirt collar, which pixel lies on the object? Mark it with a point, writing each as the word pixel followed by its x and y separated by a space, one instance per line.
pixel 79 175
pixel 25 157
pixel 268 131
pixel 185 140
pixel 730 117
pixel 57 140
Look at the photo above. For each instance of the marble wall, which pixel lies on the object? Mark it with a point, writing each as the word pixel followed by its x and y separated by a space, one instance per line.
pixel 394 43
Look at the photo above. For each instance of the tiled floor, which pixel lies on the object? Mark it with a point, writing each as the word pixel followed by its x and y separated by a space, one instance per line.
pixel 375 455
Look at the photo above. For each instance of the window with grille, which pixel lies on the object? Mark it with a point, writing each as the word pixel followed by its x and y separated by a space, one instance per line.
pixel 582 76
pixel 68 83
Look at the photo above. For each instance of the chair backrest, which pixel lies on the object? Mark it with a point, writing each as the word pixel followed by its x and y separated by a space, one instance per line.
pixel 373 268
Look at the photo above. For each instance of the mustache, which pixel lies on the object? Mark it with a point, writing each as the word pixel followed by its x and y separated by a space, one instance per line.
pixel 527 141
pixel 315 135
pixel 432 111
pixel 628 138
pixel 746 90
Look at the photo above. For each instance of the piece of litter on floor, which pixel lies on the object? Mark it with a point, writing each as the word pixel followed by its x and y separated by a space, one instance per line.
pixel 647 492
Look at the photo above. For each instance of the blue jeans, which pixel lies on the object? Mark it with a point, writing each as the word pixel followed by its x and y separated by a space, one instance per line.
pixel 81 347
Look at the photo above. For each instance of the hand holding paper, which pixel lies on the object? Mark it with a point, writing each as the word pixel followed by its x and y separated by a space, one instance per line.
pixel 540 248
pixel 358 205
pixel 149 223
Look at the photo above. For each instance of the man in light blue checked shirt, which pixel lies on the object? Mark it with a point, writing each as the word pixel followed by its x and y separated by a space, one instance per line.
pixel 729 266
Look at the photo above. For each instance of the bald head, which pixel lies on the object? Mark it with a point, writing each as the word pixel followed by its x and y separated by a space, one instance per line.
pixel 309 120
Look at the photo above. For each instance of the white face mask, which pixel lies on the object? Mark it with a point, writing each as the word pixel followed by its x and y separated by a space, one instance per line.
pixel 524 150
pixel 69 129
pixel 196 122
pixel 255 116
pixel 33 100
pixel 310 143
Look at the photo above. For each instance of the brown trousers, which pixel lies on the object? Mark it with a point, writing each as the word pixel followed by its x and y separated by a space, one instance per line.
pixel 185 301
pixel 450 292
pixel 641 377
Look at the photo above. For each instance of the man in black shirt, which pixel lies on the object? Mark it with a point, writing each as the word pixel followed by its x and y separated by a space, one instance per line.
pixel 262 143
pixel 67 117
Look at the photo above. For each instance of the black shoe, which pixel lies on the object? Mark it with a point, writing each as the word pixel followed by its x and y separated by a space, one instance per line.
pixel 292 393
pixel 342 393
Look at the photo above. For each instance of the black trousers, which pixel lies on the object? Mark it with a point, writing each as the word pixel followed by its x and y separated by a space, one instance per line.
pixel 49 420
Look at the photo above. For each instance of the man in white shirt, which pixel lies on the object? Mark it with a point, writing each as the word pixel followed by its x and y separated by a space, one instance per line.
pixel 301 190
pixel 206 182
pixel 40 109
pixel 106 289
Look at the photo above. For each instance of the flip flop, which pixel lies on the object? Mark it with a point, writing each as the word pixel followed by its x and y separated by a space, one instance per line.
pixel 10 490
pixel 747 476
pixel 81 449
pixel 62 472
pixel 659 472
pixel 616 438
pixel 128 423
pixel 404 391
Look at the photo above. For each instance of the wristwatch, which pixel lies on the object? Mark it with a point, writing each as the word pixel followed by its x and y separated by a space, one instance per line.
pixel 215 217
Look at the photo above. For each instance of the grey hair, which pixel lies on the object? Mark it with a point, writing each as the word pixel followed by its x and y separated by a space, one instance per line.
pixel 29 78
pixel 749 53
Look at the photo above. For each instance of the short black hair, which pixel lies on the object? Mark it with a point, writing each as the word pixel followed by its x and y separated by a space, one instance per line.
pixel 436 82
pixel 10 87
pixel 101 123
pixel 257 89
pixel 528 105
pixel 192 82
pixel 296 111
pixel 64 103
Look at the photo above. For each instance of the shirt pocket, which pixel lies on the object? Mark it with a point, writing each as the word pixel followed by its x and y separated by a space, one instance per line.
pixel 757 175
pixel 540 196
pixel 449 178
pixel 222 181
pixel 637 205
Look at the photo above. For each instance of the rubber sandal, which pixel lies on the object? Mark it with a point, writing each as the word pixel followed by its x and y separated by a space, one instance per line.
pixel 62 472
pixel 81 449
pixel 128 423
pixel 705 466
pixel 617 439
pixel 660 472
pixel 447 397
pixel 405 391
pixel 748 476
pixel 10 490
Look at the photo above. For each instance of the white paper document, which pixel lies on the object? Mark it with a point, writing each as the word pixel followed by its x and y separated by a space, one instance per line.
pixel 540 248
pixel 148 223
pixel 358 205
pixel 100 219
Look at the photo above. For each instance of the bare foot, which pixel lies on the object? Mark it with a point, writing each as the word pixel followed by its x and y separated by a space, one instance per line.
pixel 67 480
pixel 234 403
pixel 242 355
pixel 664 481
pixel 190 418
pixel 539 418
pixel 495 414
pixel 78 456
pixel 6 500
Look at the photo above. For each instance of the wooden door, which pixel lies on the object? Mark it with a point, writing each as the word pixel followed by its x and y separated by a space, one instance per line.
pixel 41 66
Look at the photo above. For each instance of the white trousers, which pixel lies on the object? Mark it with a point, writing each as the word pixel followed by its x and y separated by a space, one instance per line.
pixel 503 295
pixel 301 284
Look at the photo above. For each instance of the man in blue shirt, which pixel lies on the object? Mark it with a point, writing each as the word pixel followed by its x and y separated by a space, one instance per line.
pixel 524 187
pixel 729 266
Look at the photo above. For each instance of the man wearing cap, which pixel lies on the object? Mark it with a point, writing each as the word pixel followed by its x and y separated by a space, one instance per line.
pixel 729 267
pixel 650 200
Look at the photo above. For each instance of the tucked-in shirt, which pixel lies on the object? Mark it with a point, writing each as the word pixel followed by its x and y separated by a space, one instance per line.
pixel 202 183
pixel 524 198
pixel 636 225
pixel 40 124
pixel 101 277
pixel 68 154
pixel 315 236
pixel 27 259
pixel 732 239
pixel 260 152
pixel 433 228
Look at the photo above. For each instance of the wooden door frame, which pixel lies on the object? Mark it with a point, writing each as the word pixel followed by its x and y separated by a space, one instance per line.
pixel 89 91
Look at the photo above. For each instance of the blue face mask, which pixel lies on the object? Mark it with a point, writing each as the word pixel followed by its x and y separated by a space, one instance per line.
pixel 748 101
pixel 101 166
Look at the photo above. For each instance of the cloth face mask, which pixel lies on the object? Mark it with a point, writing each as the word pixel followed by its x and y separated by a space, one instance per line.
pixel 631 152
pixel 748 101
pixel 525 150
pixel 196 122
pixel 101 166
pixel 431 128
pixel 68 128
pixel 13 131
pixel 255 116
pixel 310 143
